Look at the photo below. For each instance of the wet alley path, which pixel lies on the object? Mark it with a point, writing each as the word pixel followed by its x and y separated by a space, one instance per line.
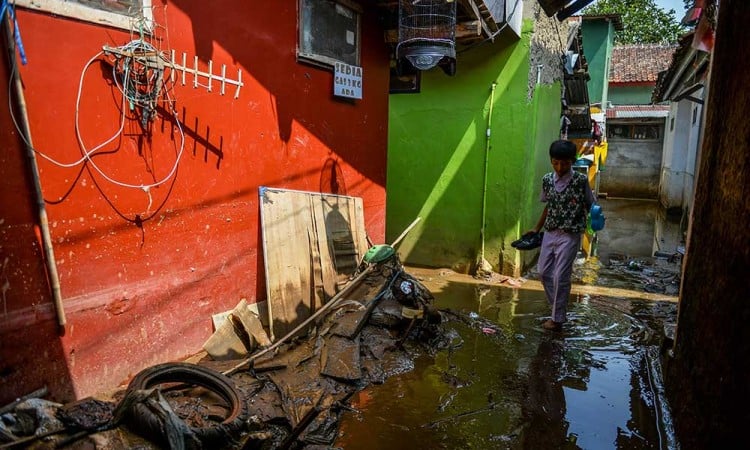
pixel 640 249
pixel 507 383
pixel 486 375
pixel 638 228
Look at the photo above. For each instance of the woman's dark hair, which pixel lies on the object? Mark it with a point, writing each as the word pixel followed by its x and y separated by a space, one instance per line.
pixel 563 150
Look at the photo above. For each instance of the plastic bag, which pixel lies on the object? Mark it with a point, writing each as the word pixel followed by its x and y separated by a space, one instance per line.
pixel 596 218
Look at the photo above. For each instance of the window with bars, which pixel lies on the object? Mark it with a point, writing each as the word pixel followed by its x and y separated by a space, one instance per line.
pixel 633 131
pixel 329 32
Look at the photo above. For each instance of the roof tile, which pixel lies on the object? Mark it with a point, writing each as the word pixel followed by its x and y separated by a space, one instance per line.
pixel 639 63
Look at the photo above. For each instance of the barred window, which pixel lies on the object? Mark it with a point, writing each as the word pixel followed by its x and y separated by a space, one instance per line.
pixel 329 32
pixel 633 131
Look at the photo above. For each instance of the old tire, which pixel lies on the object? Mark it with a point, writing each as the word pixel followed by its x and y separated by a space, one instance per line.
pixel 142 418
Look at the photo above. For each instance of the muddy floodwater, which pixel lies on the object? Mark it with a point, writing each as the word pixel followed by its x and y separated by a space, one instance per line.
pixel 478 371
pixel 507 383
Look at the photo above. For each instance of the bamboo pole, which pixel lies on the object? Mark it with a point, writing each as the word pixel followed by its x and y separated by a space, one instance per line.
pixel 301 326
pixel 333 301
pixel 403 233
pixel 49 254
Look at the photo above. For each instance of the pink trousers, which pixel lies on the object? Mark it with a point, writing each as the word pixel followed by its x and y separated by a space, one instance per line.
pixel 555 267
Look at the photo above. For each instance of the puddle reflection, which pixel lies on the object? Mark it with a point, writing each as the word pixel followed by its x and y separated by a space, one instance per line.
pixel 596 385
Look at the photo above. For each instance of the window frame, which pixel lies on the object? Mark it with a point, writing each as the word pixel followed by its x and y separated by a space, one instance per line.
pixel 633 131
pixel 322 60
pixel 90 14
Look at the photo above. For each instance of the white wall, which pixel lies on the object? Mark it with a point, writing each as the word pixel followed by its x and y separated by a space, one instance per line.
pixel 633 166
pixel 679 156
pixel 691 167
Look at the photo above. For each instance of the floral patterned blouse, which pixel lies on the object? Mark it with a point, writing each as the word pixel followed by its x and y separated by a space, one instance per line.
pixel 567 209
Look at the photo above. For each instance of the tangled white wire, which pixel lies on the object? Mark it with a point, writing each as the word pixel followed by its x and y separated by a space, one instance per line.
pixel 134 94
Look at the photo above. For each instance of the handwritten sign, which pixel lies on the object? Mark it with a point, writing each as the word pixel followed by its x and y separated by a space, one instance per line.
pixel 347 81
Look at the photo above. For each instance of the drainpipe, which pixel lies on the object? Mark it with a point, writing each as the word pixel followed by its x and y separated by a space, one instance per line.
pixel 486 165
pixel 49 254
pixel 539 68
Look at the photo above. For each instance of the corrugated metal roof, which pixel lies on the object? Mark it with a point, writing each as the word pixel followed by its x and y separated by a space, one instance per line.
pixel 637 111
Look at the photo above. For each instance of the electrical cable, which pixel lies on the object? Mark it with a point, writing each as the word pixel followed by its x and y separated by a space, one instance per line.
pixel 492 37
pixel 87 154
pixel 144 99
pixel 145 187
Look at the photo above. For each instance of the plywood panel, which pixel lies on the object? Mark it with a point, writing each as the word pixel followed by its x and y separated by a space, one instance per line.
pixel 312 243
pixel 343 219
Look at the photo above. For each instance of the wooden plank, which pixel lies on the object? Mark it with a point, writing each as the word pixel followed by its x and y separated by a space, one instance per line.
pixel 251 323
pixel 224 344
pixel 473 6
pixel 318 288
pixel 464 30
pixel 350 323
pixel 341 236
pixel 340 358
pixel 360 233
pixel 259 309
pixel 285 221
pixel 551 7
pixel 301 232
pixel 328 269
pixel 344 237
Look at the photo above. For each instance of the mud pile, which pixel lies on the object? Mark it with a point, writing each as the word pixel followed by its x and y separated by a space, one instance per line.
pixel 291 397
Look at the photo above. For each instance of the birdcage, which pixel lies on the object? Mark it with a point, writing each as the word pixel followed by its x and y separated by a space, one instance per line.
pixel 427 34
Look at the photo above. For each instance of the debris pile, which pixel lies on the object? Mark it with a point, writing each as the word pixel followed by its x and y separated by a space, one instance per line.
pixel 658 274
pixel 288 394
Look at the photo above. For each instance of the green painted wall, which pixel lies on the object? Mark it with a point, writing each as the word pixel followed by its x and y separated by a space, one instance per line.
pixel 436 159
pixel 598 41
pixel 630 95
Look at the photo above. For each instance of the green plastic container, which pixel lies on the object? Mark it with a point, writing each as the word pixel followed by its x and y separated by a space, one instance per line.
pixel 379 253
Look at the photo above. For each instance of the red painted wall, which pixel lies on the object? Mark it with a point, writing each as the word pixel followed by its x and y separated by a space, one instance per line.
pixel 142 272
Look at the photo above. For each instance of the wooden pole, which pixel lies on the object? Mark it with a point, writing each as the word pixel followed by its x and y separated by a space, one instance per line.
pixel 49 254
pixel 334 300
